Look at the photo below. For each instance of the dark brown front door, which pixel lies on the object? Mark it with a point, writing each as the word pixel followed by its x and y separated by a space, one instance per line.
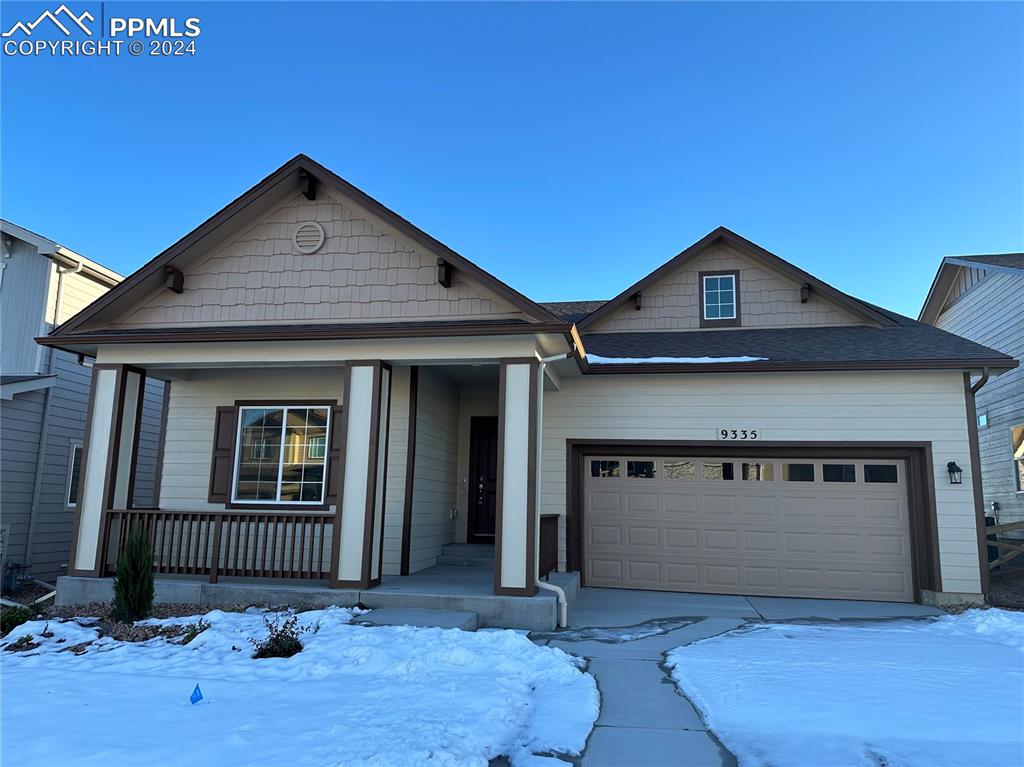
pixel 483 478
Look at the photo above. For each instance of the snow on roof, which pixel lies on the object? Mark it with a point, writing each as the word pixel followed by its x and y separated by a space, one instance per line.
pixel 596 359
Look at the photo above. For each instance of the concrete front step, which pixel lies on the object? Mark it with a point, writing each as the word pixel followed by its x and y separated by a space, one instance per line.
pixel 418 616
pixel 466 554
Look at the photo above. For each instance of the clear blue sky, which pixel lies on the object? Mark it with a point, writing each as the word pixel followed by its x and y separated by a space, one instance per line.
pixel 569 149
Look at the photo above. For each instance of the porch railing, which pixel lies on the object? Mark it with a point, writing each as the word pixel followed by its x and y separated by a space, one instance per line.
pixel 230 543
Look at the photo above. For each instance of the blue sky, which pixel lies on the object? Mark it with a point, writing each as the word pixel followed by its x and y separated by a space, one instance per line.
pixel 567 148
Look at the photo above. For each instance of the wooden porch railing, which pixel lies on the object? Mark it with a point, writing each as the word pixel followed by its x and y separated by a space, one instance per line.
pixel 548 544
pixel 231 543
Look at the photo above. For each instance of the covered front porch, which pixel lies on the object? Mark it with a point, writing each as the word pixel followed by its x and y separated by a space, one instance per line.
pixel 347 479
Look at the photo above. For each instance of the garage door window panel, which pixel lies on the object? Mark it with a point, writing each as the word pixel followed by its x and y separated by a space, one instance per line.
pixel 604 469
pixel 881 473
pixel 798 472
pixel 758 472
pixel 838 472
pixel 714 470
pixel 680 469
pixel 640 469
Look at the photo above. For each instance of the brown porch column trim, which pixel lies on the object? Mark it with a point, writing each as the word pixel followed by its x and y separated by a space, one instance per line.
pixel 410 469
pixel 531 482
pixel 979 497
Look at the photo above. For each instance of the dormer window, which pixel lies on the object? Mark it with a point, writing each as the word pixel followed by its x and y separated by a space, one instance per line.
pixel 719 299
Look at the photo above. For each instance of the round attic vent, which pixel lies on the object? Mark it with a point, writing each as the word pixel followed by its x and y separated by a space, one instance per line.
pixel 308 237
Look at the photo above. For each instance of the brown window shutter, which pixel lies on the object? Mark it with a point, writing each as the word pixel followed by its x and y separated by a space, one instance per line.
pixel 222 466
pixel 334 454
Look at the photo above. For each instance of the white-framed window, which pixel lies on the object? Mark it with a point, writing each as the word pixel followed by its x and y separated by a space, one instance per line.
pixel 281 454
pixel 720 297
pixel 74 474
pixel 1017 440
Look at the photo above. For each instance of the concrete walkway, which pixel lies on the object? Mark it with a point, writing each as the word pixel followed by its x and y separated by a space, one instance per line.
pixel 624 635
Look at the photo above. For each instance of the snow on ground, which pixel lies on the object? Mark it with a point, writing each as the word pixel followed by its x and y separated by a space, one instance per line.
pixel 355 695
pixel 947 692
pixel 596 359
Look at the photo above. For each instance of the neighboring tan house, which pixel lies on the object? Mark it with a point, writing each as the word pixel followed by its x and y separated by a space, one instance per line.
pixel 43 398
pixel 982 298
pixel 349 396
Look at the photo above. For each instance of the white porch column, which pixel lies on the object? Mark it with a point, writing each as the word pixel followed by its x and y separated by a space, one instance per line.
pixel 108 460
pixel 516 523
pixel 359 521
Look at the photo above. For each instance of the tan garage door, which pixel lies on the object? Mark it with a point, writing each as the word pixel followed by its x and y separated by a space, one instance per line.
pixel 799 528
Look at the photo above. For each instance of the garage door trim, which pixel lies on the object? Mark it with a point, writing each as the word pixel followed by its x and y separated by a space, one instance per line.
pixel 920 486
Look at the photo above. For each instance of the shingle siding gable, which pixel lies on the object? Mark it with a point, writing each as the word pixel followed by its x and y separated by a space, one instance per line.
pixel 362 273
pixel 767 299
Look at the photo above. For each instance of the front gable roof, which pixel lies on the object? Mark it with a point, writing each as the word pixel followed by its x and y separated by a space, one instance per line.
pixel 721 235
pixel 277 189
pixel 945 277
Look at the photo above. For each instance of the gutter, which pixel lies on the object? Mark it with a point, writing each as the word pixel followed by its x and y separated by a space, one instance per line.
pixel 563 605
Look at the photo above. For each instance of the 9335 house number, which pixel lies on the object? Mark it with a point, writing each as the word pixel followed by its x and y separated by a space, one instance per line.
pixel 739 434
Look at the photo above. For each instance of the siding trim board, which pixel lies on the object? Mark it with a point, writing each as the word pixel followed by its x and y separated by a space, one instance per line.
pixel 920 486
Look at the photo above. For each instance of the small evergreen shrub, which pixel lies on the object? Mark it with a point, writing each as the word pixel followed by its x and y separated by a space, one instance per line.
pixel 133 586
pixel 282 639
pixel 13 617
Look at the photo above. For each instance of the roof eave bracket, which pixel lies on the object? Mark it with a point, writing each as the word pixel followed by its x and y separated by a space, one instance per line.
pixel 308 181
pixel 174 279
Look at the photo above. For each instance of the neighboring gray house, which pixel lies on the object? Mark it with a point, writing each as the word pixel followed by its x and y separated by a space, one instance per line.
pixel 982 298
pixel 44 394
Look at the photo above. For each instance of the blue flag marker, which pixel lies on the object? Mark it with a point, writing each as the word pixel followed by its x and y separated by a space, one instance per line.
pixel 196 696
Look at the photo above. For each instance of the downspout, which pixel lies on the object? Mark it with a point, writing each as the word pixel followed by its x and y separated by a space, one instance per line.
pixel 44 426
pixel 563 605
pixel 980 382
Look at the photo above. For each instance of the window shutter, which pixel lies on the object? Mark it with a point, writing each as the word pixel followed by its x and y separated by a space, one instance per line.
pixel 334 454
pixel 222 465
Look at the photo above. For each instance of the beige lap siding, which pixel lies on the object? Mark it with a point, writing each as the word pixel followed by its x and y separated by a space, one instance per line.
pixel 193 403
pixel 398 441
pixel 436 475
pixel 834 407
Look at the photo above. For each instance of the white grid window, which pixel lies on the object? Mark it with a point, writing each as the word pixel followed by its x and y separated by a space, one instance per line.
pixel 281 454
pixel 720 297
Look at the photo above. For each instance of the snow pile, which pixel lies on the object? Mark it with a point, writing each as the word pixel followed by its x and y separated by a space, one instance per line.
pixel 355 695
pixel 912 693
pixel 595 359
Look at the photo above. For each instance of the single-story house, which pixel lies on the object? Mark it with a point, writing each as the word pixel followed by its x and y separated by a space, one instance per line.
pixel 348 396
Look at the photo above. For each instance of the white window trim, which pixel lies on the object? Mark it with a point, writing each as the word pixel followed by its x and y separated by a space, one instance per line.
pixel 280 457
pixel 69 502
pixel 704 296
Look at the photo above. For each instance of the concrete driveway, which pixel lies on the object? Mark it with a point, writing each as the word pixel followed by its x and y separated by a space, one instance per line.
pixel 624 635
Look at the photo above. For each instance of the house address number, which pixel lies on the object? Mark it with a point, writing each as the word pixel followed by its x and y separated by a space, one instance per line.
pixel 744 435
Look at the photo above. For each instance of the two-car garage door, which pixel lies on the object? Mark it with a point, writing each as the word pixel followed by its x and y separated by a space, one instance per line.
pixel 774 527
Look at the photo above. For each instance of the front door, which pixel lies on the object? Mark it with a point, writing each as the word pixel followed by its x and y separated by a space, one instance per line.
pixel 483 478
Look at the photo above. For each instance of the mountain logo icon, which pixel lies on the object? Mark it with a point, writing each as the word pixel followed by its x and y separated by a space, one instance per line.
pixel 63 12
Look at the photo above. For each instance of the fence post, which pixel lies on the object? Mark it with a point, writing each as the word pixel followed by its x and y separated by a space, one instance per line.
pixel 215 563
